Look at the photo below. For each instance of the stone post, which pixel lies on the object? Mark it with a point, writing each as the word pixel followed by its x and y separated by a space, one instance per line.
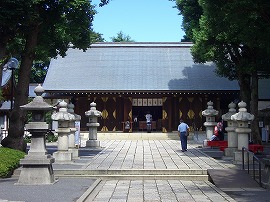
pixel 37 165
pixel 63 130
pixel 210 123
pixel 231 125
pixel 93 115
pixel 242 118
pixel 71 139
pixel 266 179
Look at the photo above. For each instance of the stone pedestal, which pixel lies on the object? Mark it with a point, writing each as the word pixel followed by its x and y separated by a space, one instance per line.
pixel 71 144
pixel 37 165
pixel 71 140
pixel 62 154
pixel 63 130
pixel 242 118
pixel 210 123
pixel 243 137
pixel 232 135
pixel 232 139
pixel 237 157
pixel 266 179
pixel 93 115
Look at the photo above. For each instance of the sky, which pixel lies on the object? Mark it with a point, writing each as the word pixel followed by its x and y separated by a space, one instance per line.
pixel 142 20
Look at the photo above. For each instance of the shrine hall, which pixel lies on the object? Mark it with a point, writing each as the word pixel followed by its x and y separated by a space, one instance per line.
pixel 128 80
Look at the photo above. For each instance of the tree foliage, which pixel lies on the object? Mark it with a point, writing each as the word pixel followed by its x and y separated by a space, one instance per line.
pixel 235 36
pixel 35 30
pixel 191 12
pixel 121 37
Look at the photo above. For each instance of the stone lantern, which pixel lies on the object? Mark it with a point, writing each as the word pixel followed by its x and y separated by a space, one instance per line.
pixel 93 115
pixel 37 165
pixel 231 125
pixel 242 118
pixel 63 130
pixel 71 139
pixel 210 123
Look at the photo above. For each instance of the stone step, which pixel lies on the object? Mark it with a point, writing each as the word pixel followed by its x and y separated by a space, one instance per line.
pixel 183 174
pixel 142 177
pixel 131 172
pixel 138 174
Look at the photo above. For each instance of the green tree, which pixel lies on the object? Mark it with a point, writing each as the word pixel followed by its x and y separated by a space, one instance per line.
pixel 38 72
pixel 121 37
pixel 191 12
pixel 13 15
pixel 40 68
pixel 42 29
pixel 235 36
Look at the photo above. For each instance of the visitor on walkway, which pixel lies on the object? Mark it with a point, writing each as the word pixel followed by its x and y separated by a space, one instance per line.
pixel 183 132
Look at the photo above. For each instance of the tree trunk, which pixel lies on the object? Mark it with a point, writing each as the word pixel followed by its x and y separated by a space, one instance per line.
pixel 3 58
pixel 17 117
pixel 244 83
pixel 254 109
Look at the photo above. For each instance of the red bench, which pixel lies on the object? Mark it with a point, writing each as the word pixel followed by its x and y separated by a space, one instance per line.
pixel 222 148
pixel 221 144
pixel 217 143
pixel 255 148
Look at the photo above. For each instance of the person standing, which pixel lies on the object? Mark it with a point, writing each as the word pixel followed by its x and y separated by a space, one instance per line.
pixel 148 118
pixel 183 132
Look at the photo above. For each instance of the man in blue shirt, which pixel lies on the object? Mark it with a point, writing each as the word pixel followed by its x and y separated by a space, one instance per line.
pixel 183 130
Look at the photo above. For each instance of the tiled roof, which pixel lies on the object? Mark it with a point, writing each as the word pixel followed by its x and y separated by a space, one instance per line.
pixel 133 67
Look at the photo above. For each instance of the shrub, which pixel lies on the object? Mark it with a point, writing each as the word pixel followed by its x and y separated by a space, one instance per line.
pixel 50 137
pixel 9 161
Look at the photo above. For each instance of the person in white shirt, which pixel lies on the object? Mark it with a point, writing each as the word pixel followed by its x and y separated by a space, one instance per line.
pixel 148 118
pixel 183 132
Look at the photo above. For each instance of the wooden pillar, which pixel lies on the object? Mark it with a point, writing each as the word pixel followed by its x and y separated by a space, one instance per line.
pixel 128 111
pixel 167 114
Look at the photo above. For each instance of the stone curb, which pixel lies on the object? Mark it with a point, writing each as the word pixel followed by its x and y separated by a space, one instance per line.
pixel 89 191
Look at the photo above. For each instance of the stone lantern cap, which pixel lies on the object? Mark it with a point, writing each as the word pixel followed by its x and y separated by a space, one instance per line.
pixel 242 115
pixel 63 114
pixel 70 109
pixel 93 111
pixel 210 111
pixel 38 102
pixel 232 111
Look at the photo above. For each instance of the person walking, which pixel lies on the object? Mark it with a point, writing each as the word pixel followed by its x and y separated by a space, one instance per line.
pixel 183 132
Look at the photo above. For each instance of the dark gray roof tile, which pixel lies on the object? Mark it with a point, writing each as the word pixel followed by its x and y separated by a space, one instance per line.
pixel 133 67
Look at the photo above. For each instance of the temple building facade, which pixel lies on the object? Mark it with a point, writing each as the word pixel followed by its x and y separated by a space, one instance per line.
pixel 129 80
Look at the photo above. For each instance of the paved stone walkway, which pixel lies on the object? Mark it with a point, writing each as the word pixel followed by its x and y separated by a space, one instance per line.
pixel 134 167
pixel 152 155
pixel 157 190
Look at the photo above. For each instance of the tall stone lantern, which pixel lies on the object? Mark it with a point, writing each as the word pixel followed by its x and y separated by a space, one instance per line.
pixel 210 123
pixel 63 130
pixel 242 118
pixel 232 135
pixel 37 165
pixel 93 115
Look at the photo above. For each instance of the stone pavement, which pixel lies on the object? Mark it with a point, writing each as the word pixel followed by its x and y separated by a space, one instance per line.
pixel 135 167
pixel 154 156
